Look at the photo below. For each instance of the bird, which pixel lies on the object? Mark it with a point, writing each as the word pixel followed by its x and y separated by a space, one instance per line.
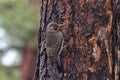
pixel 54 42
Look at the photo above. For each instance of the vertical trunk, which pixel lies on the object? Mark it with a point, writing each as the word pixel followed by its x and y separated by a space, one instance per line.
pixel 92 33
pixel 116 38
pixel 28 64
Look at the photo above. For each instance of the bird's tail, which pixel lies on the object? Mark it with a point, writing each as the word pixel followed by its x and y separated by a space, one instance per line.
pixel 59 65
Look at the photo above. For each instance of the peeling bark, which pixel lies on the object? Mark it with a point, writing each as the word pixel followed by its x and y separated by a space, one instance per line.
pixel 92 31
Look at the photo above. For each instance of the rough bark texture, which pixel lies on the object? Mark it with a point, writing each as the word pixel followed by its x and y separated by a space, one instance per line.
pixel 92 31
pixel 116 38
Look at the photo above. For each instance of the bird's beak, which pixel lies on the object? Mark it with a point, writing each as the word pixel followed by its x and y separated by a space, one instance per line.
pixel 60 25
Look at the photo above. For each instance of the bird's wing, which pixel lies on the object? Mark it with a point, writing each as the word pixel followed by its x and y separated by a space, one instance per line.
pixel 51 39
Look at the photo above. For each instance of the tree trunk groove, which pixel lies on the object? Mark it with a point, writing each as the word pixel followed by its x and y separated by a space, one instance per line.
pixel 92 31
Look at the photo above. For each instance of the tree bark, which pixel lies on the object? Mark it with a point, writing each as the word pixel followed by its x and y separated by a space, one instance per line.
pixel 116 38
pixel 92 31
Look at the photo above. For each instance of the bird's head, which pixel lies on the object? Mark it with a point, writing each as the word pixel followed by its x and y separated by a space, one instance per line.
pixel 53 27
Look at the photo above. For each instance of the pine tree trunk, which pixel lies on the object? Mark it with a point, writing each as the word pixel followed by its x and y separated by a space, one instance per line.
pixel 92 31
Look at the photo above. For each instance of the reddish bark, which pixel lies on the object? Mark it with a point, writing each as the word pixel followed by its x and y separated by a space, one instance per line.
pixel 28 64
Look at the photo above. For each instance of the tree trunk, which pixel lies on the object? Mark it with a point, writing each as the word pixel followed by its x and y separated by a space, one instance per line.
pixel 28 64
pixel 92 31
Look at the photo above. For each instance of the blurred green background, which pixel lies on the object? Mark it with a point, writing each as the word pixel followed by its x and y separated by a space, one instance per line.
pixel 19 23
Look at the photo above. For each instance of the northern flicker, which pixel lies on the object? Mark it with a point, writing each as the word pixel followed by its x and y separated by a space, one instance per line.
pixel 54 38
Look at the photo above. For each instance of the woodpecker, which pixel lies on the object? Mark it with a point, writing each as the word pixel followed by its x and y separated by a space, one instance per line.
pixel 54 38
